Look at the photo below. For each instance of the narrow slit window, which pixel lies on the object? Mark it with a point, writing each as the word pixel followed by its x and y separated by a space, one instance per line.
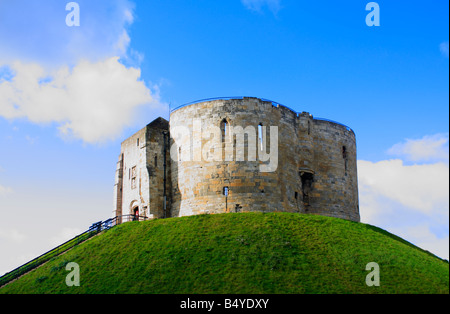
pixel 224 128
pixel 345 156
pixel 137 142
pixel 260 137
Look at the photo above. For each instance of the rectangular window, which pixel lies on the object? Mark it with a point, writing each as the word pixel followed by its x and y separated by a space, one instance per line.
pixel 344 155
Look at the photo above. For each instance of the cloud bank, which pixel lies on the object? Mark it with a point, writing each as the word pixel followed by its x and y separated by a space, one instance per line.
pixel 426 149
pixel 411 201
pixel 422 188
pixel 92 101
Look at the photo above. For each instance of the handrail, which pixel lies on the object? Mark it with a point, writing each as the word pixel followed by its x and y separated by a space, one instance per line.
pixel 93 230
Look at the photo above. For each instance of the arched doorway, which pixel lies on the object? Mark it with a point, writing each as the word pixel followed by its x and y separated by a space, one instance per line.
pixel 135 214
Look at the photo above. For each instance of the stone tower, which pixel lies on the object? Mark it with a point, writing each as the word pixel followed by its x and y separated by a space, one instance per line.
pixel 142 183
pixel 237 155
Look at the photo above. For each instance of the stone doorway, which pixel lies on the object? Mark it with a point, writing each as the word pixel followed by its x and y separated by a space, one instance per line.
pixel 135 212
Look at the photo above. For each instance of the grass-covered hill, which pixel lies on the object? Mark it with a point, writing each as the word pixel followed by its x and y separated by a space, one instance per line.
pixel 244 253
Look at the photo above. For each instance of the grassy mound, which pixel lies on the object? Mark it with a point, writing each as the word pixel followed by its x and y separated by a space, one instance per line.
pixel 246 253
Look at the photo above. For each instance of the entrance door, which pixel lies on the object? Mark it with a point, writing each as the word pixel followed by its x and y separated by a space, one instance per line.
pixel 136 214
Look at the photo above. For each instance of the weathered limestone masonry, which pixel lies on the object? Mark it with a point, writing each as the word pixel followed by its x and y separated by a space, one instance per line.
pixel 213 162
pixel 143 173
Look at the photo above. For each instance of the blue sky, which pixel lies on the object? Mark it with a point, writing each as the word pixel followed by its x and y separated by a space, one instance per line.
pixel 70 95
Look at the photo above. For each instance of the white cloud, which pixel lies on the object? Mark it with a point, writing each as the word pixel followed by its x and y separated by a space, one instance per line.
pixel 123 43
pixel 258 5
pixel 128 15
pixel 425 239
pixel 428 148
pixel 443 47
pixel 93 101
pixel 420 187
pixel 411 201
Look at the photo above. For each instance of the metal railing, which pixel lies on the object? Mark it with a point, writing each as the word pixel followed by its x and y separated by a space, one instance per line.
pixel 93 230
pixel 274 103
pixel 341 124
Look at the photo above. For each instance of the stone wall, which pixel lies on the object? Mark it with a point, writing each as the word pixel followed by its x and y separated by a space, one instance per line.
pixel 158 168
pixel 335 186
pixel 142 170
pixel 220 157
pixel 312 174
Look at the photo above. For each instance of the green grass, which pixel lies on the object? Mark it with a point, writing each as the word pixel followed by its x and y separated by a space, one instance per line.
pixel 247 253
